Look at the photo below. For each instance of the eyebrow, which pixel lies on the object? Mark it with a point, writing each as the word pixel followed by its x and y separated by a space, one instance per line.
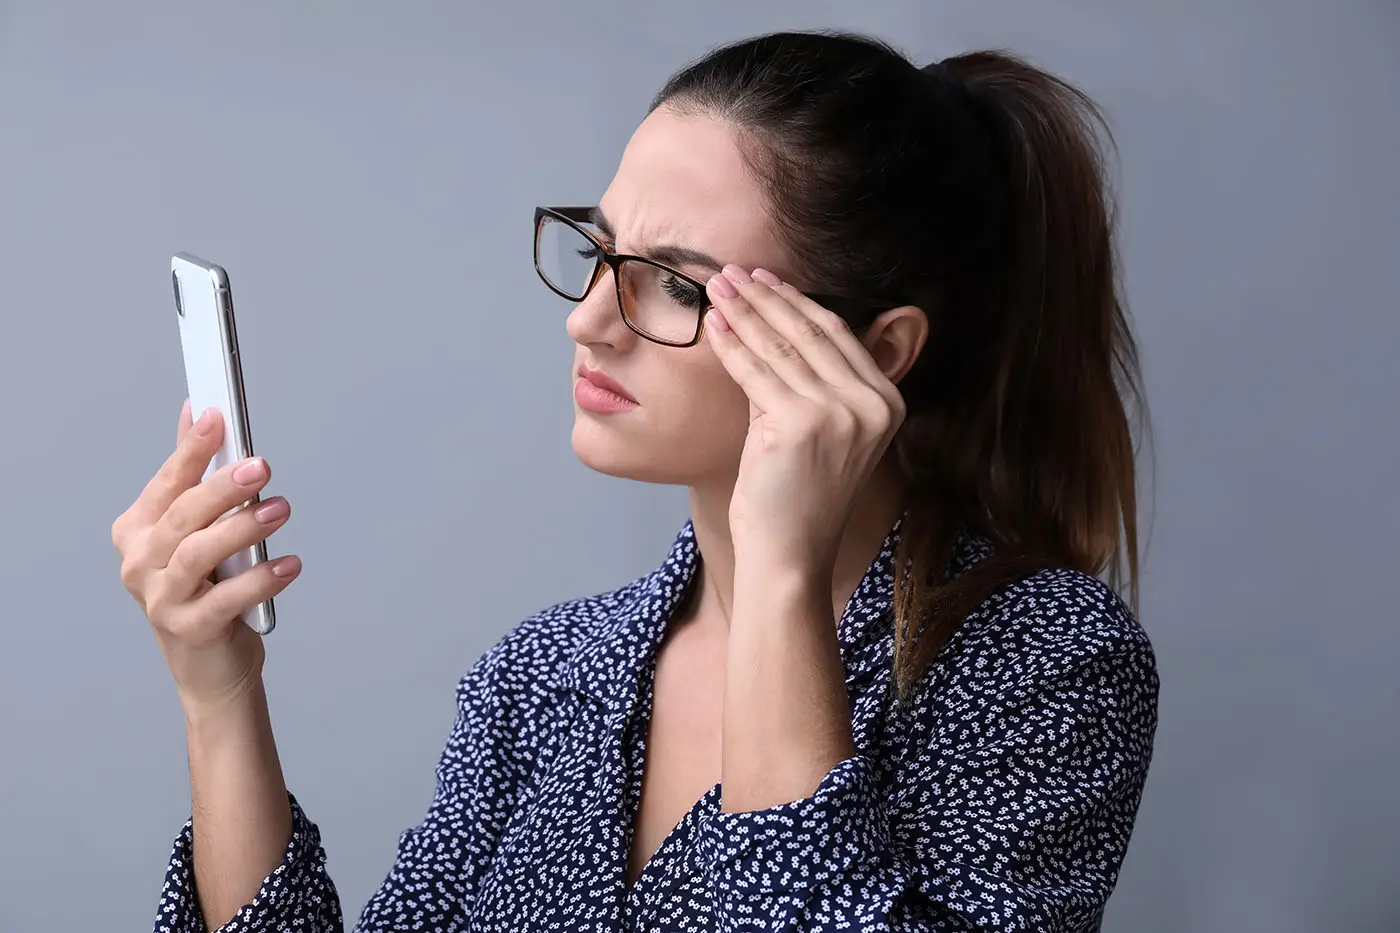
pixel 669 253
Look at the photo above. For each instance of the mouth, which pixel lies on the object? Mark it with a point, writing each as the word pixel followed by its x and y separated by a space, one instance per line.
pixel 603 381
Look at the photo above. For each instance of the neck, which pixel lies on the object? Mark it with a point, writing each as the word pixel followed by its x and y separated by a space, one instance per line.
pixel 875 510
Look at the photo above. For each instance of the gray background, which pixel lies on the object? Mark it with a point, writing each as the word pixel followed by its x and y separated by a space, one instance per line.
pixel 366 172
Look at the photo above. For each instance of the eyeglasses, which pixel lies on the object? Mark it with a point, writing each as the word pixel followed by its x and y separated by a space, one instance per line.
pixel 657 302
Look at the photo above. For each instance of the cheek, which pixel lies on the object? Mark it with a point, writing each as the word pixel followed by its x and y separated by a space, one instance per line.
pixel 717 409
pixel 692 425
pixel 724 392
pixel 697 415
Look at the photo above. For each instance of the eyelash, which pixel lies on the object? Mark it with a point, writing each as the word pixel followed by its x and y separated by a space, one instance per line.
pixel 683 294
pixel 680 292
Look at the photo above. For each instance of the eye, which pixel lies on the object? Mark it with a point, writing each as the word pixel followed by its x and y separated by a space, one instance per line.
pixel 683 293
pixel 589 252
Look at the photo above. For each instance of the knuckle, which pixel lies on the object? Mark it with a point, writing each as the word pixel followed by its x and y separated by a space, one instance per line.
pixel 813 331
pixel 843 420
pixel 198 508
pixel 135 561
pixel 193 444
pixel 185 562
pixel 177 516
pixel 887 394
pixel 162 619
pixel 159 603
pixel 132 574
pixel 871 405
pixel 119 532
pixel 783 349
pixel 886 413
pixel 166 482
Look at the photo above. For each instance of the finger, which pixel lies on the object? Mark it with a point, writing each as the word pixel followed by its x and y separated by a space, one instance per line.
pixel 229 599
pixel 811 335
pixel 203 504
pixel 181 470
pixel 761 338
pixel 764 388
pixel 835 327
pixel 200 553
pixel 185 423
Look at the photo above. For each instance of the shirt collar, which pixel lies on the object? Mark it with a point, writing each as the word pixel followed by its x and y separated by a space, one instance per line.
pixel 608 664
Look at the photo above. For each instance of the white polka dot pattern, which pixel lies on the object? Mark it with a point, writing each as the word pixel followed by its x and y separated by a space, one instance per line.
pixel 1002 798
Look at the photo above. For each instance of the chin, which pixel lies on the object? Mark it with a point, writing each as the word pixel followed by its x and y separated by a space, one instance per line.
pixel 614 453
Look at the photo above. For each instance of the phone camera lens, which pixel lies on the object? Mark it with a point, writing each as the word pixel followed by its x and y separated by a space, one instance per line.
pixel 179 305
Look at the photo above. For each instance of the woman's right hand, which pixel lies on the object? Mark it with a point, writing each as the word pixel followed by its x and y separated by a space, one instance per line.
pixel 173 537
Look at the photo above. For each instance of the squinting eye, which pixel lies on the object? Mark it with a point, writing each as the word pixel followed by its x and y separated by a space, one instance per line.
pixel 683 293
pixel 591 252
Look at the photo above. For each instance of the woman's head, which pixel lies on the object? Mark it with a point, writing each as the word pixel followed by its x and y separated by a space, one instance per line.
pixel 969 197
pixel 683 194
pixel 680 185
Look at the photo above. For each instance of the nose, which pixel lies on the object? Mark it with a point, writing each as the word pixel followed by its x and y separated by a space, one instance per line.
pixel 597 318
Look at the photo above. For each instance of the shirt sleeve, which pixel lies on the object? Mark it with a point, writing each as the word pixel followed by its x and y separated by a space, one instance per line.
pixel 439 861
pixel 298 895
pixel 1022 828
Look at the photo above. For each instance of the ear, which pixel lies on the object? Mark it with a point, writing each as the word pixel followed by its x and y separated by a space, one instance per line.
pixel 896 338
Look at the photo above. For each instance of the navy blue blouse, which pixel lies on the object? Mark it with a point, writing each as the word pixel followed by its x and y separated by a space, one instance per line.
pixel 1001 799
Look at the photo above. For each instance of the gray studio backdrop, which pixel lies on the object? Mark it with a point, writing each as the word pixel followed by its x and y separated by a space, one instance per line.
pixel 366 172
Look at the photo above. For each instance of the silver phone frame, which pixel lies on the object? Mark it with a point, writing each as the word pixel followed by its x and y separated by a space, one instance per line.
pixel 265 613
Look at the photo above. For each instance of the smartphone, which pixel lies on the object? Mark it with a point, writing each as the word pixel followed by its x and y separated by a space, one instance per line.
pixel 214 378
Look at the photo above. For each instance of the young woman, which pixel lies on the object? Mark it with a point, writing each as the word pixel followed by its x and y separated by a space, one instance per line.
pixel 867 314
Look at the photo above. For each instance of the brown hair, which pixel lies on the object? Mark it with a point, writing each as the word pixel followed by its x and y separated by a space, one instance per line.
pixel 975 189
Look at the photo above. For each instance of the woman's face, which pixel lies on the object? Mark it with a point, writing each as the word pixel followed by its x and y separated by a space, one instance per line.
pixel 681 182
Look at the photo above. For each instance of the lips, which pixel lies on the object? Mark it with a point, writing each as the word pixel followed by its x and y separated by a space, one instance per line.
pixel 603 381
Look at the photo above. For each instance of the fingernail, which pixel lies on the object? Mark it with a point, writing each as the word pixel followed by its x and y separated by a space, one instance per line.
pixel 271 510
pixel 250 471
pixel 286 566
pixel 722 287
pixel 716 319
pixel 205 424
pixel 766 277
pixel 737 275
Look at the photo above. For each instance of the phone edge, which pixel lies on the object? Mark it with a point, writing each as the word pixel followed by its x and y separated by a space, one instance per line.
pixel 264 613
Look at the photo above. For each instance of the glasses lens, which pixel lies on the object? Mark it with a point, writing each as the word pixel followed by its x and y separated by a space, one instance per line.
pixel 565 257
pixel 660 303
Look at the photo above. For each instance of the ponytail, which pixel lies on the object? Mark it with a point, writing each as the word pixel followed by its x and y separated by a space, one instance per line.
pixel 1043 442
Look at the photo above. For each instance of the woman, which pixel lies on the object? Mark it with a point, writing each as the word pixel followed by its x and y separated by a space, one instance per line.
pixel 867 313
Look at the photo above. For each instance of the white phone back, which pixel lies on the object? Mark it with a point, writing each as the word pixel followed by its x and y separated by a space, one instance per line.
pixel 214 377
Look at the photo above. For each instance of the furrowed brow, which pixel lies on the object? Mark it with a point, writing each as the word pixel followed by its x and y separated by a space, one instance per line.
pixel 669 253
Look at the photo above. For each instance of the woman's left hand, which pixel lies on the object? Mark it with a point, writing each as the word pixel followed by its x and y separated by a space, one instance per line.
pixel 821 415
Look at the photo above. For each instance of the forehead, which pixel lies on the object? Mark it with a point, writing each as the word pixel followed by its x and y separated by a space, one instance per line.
pixel 682 180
